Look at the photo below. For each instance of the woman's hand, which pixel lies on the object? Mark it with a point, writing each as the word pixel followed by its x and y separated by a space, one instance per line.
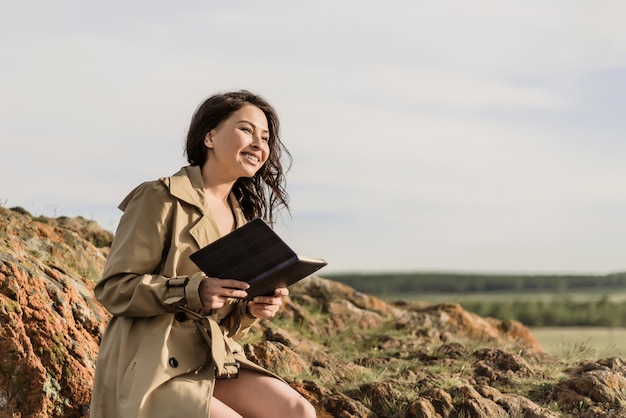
pixel 214 291
pixel 265 307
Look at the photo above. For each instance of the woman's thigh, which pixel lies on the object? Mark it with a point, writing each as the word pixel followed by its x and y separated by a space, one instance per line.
pixel 220 410
pixel 256 395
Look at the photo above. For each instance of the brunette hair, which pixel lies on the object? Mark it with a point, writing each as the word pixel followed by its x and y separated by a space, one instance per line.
pixel 262 194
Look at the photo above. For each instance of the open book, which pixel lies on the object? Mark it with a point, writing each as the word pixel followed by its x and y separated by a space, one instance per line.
pixel 256 254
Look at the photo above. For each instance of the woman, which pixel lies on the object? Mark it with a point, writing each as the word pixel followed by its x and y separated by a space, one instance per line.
pixel 169 349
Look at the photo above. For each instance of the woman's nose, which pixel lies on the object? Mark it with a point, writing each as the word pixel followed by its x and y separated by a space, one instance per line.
pixel 257 141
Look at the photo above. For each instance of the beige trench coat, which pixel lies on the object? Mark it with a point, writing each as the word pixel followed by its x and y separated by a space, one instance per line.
pixel 153 360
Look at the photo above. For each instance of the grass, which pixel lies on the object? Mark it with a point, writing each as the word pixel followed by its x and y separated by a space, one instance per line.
pixel 578 343
pixel 369 362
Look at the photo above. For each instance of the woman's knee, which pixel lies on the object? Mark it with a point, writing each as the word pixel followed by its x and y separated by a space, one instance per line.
pixel 304 408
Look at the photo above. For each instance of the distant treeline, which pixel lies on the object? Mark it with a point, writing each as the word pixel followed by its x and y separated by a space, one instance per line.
pixel 395 283
pixel 556 313
pixel 559 311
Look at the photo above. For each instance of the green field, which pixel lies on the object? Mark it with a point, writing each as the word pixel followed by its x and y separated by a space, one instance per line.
pixel 578 343
pixel 616 295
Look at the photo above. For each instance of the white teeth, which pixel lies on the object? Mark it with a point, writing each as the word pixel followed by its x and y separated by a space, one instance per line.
pixel 251 157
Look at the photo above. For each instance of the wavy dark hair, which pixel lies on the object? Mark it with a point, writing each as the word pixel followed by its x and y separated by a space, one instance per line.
pixel 265 192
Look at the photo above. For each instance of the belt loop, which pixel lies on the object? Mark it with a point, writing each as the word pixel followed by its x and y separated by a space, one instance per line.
pixel 229 375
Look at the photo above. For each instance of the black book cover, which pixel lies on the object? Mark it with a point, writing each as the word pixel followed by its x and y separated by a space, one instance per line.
pixel 256 254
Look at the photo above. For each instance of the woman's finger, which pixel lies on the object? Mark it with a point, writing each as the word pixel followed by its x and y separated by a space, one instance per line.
pixel 214 291
pixel 225 287
pixel 233 284
pixel 262 310
pixel 268 300
pixel 281 292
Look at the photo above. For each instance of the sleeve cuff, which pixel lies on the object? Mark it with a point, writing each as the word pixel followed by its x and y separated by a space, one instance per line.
pixel 175 291
pixel 192 292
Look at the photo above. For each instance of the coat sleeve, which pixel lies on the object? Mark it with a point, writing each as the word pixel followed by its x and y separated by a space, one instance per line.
pixel 130 283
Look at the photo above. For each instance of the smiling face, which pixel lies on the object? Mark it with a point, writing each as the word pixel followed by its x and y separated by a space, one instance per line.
pixel 238 146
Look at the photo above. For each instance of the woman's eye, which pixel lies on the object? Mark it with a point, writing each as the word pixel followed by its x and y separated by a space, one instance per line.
pixel 266 138
pixel 247 130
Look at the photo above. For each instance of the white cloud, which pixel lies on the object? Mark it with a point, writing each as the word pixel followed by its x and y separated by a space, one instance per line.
pixel 461 131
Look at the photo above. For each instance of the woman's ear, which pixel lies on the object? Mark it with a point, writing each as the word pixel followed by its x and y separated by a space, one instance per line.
pixel 208 139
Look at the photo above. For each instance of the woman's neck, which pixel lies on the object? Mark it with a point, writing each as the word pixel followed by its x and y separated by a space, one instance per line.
pixel 214 185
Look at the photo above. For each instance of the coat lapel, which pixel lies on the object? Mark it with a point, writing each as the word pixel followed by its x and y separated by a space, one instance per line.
pixel 187 186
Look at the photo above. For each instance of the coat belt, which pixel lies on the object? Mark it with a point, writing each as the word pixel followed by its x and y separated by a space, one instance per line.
pixel 226 366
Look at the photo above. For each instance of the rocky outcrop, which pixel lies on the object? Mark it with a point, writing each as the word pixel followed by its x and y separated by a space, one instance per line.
pixel 51 324
pixel 594 389
pixel 350 354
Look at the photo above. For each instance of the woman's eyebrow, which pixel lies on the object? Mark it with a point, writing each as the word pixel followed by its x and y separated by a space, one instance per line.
pixel 253 124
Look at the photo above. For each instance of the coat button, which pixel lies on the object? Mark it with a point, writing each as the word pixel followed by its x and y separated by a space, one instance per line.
pixel 173 362
pixel 180 316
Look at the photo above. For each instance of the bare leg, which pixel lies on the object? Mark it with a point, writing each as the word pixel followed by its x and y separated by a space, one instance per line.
pixel 254 395
pixel 221 410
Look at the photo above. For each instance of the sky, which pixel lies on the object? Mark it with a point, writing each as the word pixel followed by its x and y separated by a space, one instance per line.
pixel 456 136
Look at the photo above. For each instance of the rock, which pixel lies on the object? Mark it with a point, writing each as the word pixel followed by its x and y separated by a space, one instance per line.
pixel 453 317
pixel 422 408
pixel 499 366
pixel 51 325
pixel 475 405
pixel 594 387
pixel 441 401
pixel 331 403
pixel 350 354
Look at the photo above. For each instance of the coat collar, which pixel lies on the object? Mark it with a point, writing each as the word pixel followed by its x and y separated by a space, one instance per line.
pixel 187 185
